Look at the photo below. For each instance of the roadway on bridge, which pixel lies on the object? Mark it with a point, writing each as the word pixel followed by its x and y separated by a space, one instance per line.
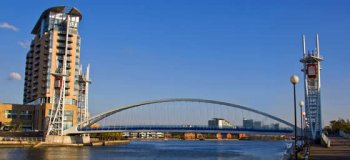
pixel 340 149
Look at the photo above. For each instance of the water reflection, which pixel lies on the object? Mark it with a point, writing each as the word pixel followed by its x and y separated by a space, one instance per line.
pixel 145 150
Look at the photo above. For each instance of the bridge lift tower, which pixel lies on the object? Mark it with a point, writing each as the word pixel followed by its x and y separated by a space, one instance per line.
pixel 83 98
pixel 312 84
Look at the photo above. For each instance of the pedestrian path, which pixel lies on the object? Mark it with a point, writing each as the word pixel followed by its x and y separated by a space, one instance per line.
pixel 340 149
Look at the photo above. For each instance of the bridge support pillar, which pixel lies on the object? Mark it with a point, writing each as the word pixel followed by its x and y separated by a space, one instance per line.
pixel 219 136
pixel 78 139
pixel 242 136
pixel 189 135
pixel 229 136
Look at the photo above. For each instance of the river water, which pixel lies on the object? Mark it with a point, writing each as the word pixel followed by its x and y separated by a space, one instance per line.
pixel 156 150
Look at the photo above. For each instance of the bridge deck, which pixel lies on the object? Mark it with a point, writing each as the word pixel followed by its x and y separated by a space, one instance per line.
pixel 340 149
pixel 198 129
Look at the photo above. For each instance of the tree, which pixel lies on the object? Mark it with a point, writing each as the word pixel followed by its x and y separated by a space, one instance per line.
pixel 336 125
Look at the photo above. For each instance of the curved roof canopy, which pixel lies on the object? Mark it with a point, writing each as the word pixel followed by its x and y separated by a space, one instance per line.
pixel 58 9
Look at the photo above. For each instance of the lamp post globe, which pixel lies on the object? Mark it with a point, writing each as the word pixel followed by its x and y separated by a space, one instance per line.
pixel 294 79
pixel 301 103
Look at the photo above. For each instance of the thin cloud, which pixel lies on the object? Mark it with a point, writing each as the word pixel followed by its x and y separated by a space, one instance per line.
pixel 24 44
pixel 6 25
pixel 15 76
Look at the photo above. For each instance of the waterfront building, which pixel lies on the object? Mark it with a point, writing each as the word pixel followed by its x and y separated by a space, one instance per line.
pixel 143 135
pixel 275 126
pixel 46 56
pixel 248 123
pixel 219 123
pixel 257 124
pixel 54 82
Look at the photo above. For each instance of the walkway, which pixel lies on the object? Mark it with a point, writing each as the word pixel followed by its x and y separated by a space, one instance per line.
pixel 340 149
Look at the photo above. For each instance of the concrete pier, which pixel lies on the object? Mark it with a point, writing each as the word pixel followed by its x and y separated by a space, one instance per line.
pixel 79 139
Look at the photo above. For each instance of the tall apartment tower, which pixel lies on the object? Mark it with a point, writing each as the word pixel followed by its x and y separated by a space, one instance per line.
pixel 53 76
pixel 46 56
pixel 312 84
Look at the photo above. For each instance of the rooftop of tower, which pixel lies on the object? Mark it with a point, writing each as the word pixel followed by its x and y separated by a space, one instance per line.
pixel 58 9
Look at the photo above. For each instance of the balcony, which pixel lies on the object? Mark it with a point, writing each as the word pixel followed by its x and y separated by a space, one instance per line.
pixel 69 47
pixel 70 40
pixel 61 44
pixel 60 71
pixel 60 52
pixel 61 39
pixel 60 58
pixel 61 32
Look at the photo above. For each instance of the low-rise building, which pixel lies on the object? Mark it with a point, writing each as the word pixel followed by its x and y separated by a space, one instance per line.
pixel 248 123
pixel 219 123
pixel 257 124
pixel 33 117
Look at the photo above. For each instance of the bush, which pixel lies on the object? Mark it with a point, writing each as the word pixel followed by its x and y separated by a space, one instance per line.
pixel 337 125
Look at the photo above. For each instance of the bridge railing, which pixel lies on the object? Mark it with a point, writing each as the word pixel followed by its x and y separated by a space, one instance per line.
pixel 325 140
pixel 183 127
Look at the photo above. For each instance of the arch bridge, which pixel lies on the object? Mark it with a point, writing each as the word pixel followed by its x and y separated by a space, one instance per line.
pixel 211 110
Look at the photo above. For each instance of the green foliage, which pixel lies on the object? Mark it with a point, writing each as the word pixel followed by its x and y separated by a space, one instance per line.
pixel 108 135
pixel 337 125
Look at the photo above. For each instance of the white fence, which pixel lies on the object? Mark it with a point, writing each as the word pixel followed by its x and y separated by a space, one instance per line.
pixel 325 141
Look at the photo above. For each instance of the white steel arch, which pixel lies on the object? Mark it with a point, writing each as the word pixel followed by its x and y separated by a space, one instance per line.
pixel 103 115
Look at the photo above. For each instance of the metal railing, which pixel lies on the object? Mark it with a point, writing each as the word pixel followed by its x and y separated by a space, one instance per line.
pixel 183 127
pixel 325 140
pixel 29 139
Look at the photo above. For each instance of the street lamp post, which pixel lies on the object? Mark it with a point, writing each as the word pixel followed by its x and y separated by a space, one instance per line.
pixel 301 104
pixel 304 129
pixel 294 79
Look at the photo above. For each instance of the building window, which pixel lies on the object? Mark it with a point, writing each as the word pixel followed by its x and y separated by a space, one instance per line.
pixel 26 115
pixel 10 114
pixel 68 119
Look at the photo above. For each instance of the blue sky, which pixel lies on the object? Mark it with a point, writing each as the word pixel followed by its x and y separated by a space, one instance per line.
pixel 241 52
